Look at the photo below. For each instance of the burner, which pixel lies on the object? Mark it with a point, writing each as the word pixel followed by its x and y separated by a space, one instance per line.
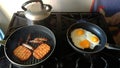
pixel 46 64
pixel 52 64
pixel 64 56
pixel 101 64
pixel 13 66
pixel 76 60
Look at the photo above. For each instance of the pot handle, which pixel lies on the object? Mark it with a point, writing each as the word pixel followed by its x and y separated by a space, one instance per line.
pixel 111 47
pixel 47 7
pixel 30 1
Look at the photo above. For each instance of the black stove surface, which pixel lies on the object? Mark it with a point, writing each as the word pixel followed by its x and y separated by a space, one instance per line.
pixel 64 56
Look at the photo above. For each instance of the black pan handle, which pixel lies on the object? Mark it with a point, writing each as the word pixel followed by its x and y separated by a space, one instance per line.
pixel 30 1
pixel 111 47
pixel 2 43
pixel 2 53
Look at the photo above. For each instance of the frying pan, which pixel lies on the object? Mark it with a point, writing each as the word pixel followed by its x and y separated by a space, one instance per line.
pixel 22 33
pixel 95 30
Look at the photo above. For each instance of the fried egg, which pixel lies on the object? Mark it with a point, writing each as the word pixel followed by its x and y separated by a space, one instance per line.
pixel 78 38
pixel 92 38
pixel 77 33
pixel 84 39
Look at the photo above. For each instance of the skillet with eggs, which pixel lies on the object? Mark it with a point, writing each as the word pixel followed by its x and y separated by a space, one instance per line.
pixel 84 39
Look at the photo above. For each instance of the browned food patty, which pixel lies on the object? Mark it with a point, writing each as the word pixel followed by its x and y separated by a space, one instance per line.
pixel 41 51
pixel 22 53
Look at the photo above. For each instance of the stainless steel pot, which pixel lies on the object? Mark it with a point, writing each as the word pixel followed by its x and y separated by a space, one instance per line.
pixel 35 10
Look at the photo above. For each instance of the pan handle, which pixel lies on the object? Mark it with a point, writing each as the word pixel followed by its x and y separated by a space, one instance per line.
pixel 2 42
pixel 111 47
pixel 2 45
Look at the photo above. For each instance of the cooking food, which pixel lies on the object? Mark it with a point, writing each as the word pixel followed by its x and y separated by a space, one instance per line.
pixel 84 39
pixel 92 38
pixel 38 40
pixel 41 51
pixel 28 46
pixel 22 53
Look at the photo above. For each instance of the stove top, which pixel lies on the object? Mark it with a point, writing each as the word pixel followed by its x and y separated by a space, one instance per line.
pixel 64 56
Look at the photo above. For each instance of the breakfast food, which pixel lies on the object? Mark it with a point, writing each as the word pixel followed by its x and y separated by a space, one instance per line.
pixel 22 53
pixel 41 51
pixel 28 46
pixel 84 39
pixel 38 40
pixel 94 40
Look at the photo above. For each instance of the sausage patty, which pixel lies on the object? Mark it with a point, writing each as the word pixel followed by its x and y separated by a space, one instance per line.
pixel 22 53
pixel 41 51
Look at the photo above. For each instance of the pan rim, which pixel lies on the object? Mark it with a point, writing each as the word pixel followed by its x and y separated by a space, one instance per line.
pixel 27 65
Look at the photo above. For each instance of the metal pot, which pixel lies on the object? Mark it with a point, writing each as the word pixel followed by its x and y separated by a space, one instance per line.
pixel 35 10
pixel 13 40
pixel 95 30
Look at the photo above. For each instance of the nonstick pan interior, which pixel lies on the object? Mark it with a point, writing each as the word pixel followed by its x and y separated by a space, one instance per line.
pixel 92 28
pixel 20 36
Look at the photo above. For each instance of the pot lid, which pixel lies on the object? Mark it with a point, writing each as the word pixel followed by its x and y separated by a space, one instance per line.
pixel 34 7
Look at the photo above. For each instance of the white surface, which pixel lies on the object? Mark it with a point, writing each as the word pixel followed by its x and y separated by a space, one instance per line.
pixel 9 7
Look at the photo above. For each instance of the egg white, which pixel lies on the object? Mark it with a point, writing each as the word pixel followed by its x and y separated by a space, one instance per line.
pixel 87 35
pixel 77 39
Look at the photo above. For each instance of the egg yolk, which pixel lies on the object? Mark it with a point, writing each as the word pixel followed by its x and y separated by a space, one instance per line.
pixel 94 39
pixel 85 44
pixel 79 32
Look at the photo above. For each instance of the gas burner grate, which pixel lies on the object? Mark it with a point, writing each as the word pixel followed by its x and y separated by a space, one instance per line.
pixel 64 56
